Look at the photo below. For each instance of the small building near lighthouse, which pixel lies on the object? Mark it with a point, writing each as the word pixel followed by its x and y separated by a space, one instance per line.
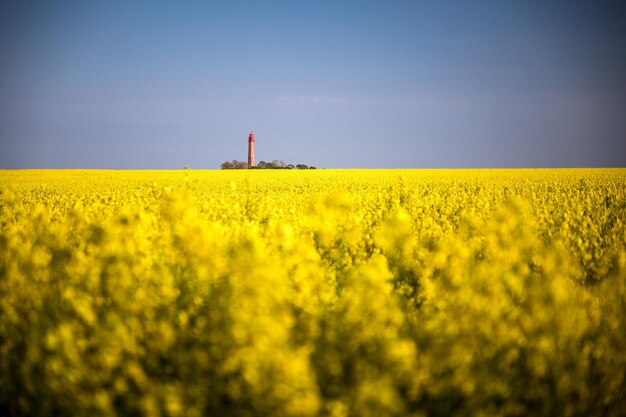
pixel 251 161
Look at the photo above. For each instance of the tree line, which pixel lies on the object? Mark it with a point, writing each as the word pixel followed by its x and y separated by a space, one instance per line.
pixel 275 164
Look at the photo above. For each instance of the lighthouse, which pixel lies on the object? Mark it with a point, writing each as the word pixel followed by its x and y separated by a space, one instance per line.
pixel 251 150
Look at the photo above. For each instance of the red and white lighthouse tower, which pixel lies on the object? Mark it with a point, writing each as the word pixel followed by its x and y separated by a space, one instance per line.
pixel 251 150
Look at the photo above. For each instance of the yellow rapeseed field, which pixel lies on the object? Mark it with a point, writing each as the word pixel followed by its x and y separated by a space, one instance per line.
pixel 313 293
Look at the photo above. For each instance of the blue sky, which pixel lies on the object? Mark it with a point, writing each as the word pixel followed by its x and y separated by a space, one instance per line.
pixel 138 84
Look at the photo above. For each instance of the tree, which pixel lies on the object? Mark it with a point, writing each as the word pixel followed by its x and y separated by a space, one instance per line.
pixel 234 164
pixel 275 164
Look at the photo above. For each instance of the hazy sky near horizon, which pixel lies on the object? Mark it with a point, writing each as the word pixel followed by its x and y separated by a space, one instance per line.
pixel 164 84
